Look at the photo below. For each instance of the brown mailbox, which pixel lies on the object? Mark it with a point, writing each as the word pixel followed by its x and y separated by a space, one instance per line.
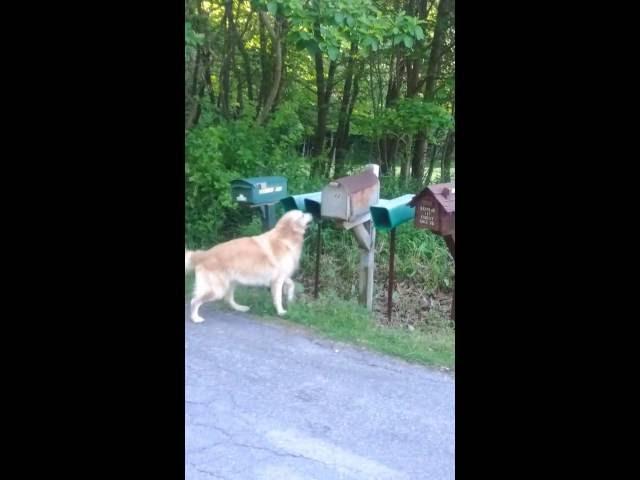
pixel 436 209
pixel 349 198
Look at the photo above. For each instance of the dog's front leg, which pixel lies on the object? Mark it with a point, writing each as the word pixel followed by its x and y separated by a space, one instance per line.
pixel 232 302
pixel 276 293
pixel 289 288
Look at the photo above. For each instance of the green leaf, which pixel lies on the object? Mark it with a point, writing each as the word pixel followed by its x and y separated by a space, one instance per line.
pixel 339 17
pixel 311 46
pixel 350 21
pixel 272 7
pixel 419 33
pixel 408 41
pixel 333 53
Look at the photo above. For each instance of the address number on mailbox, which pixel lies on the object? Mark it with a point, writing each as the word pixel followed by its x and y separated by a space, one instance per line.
pixel 427 216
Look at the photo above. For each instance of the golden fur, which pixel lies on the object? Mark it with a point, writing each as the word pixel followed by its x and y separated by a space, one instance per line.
pixel 269 260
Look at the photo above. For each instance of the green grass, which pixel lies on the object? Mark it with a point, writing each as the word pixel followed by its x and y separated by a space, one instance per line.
pixel 346 321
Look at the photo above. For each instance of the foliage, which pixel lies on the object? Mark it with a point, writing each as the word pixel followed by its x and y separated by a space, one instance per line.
pixel 408 117
pixel 218 154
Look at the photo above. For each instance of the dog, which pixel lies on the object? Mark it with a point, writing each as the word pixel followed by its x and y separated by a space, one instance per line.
pixel 268 260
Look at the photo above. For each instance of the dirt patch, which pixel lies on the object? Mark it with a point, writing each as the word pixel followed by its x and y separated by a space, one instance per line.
pixel 413 307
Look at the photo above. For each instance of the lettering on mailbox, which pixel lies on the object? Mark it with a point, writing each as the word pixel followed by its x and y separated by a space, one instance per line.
pixel 427 215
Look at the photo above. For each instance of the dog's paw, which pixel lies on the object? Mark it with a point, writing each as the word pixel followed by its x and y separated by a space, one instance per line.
pixel 197 319
pixel 282 312
pixel 242 308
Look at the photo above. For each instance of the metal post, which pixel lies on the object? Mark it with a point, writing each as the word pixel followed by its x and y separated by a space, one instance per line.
pixel 392 254
pixel 318 251
pixel 268 216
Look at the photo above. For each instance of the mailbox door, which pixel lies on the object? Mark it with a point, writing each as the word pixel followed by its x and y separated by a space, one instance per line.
pixel 361 201
pixel 335 203
pixel 242 192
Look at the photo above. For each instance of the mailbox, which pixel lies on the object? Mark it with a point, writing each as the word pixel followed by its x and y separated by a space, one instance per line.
pixel 262 193
pixel 259 190
pixel 312 205
pixel 436 209
pixel 298 202
pixel 349 198
pixel 388 214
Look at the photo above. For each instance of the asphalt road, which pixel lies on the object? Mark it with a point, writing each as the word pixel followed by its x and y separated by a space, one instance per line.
pixel 270 401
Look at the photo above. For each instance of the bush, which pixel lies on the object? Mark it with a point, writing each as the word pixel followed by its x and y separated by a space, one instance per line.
pixel 218 153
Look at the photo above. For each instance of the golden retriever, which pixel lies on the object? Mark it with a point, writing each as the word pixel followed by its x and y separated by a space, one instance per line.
pixel 268 260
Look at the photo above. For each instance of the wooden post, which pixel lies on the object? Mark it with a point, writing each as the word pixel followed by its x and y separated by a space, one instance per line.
pixel 316 280
pixel 451 244
pixel 367 266
pixel 392 254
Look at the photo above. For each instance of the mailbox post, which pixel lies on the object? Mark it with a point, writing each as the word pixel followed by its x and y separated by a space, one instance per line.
pixel 347 201
pixel 262 193
pixel 387 215
pixel 436 211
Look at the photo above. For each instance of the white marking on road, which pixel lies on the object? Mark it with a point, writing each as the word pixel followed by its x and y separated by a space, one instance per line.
pixel 343 461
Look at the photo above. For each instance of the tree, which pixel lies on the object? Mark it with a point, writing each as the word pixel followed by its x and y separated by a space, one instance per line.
pixel 445 11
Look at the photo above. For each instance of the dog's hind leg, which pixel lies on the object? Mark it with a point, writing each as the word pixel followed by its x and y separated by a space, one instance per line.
pixel 276 294
pixel 232 302
pixel 205 291
pixel 196 303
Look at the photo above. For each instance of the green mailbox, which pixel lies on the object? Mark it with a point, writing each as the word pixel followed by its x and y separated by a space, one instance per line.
pixel 298 202
pixel 388 214
pixel 259 190
pixel 312 205
pixel 262 193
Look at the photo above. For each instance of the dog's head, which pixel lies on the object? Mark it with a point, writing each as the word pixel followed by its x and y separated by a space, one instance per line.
pixel 294 221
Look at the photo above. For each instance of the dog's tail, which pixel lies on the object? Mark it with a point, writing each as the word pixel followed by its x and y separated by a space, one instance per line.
pixel 191 259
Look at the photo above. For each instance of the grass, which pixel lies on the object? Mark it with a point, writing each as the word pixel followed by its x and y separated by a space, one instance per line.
pixel 345 320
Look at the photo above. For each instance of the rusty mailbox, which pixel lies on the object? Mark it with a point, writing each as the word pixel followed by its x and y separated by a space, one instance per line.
pixel 436 211
pixel 347 200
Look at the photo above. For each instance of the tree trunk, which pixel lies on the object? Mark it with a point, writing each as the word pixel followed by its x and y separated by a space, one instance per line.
pixel 432 164
pixel 448 156
pixel 323 95
pixel 225 69
pixel 445 8
pixel 393 92
pixel 417 160
pixel 265 64
pixel 283 73
pixel 346 107
pixel 246 61
pixel 277 68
